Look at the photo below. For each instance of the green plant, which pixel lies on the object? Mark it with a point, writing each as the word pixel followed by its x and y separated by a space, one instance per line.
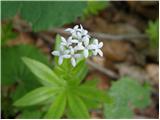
pixel 153 33
pixel 45 14
pixel 127 94
pixel 62 86
pixel 16 80
pixel 93 7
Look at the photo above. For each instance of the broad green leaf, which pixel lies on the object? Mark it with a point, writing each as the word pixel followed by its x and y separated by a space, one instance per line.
pixel 93 7
pixel 94 94
pixel 9 9
pixel 126 92
pixel 14 70
pixel 77 107
pixel 36 96
pixel 44 73
pixel 45 14
pixel 57 108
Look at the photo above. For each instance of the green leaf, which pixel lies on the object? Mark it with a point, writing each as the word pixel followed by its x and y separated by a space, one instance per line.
pixel 45 14
pixel 93 7
pixel 14 70
pixel 94 94
pixel 36 96
pixel 15 75
pixel 126 92
pixel 77 107
pixel 12 74
pixel 57 42
pixel 153 33
pixel 44 73
pixel 92 83
pixel 91 104
pixel 9 9
pixel 80 71
pixel 57 108
pixel 30 114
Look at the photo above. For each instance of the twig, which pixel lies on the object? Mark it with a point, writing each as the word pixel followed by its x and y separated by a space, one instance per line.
pixel 103 70
pixel 104 36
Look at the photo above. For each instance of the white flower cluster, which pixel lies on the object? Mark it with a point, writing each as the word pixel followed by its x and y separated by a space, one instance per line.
pixel 77 45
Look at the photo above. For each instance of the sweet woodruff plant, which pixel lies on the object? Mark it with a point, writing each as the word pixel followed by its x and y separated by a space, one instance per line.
pixel 64 91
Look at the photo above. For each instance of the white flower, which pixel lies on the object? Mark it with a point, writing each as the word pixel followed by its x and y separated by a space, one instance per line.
pixel 62 54
pixel 78 33
pixel 77 45
pixel 67 42
pixel 74 56
pixel 83 31
pixel 75 28
pixel 85 48
pixel 96 47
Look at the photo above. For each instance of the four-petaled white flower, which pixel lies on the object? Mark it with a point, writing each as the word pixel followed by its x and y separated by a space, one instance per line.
pixel 62 53
pixel 78 41
pixel 79 33
pixel 96 47
pixel 74 56
pixel 86 47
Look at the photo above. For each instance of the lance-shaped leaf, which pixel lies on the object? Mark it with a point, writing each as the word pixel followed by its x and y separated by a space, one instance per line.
pixel 57 108
pixel 77 107
pixel 94 94
pixel 80 71
pixel 44 73
pixel 36 96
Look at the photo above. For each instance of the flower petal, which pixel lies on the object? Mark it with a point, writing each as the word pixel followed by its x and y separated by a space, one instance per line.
pixel 86 41
pixel 81 27
pixel 56 53
pixel 100 45
pixel 66 56
pixel 69 30
pixel 84 32
pixel 91 47
pixel 79 35
pixel 71 50
pixel 76 27
pixel 73 62
pixel 79 47
pixel 77 55
pixel 95 41
pixel 85 52
pixel 66 51
pixel 60 60
pixel 74 41
pixel 100 52
pixel 63 39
